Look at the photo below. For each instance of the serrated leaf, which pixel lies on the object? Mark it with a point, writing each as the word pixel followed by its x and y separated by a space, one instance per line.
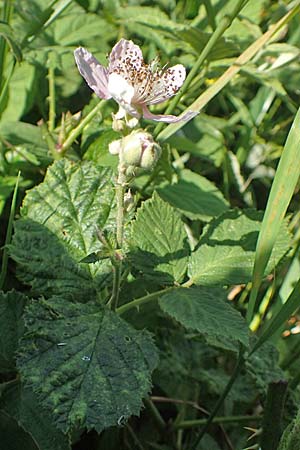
pixel 225 254
pixel 87 365
pixel 195 196
pixel 263 367
pixel 159 248
pixel 22 404
pixel 205 310
pixel 58 229
pixel 11 309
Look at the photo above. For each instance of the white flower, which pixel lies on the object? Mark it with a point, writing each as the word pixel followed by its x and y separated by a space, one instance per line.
pixel 131 82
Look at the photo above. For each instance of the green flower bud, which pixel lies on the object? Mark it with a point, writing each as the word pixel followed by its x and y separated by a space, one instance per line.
pixel 140 150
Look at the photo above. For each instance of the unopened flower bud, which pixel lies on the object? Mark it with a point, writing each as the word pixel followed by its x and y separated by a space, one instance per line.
pixel 140 150
pixel 115 147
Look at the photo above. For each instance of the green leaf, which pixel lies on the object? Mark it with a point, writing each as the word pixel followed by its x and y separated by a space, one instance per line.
pixel 29 140
pixel 98 150
pixel 205 310
pixel 88 366
pixel 263 367
pixel 22 404
pixel 195 196
pixel 58 230
pixel 159 248
pixel 290 439
pixel 21 83
pixel 226 251
pixel 7 33
pixel 11 309
pixel 13 437
pixel 224 48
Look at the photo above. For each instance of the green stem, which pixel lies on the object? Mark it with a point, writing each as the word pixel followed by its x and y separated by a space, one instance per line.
pixel 135 438
pixel 78 130
pixel 143 300
pixel 225 22
pixel 120 191
pixel 218 420
pixel 156 414
pixel 52 114
pixel 219 403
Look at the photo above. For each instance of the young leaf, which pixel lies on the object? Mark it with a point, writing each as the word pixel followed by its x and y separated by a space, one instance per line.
pixel 58 229
pixel 22 404
pixel 226 251
pixel 11 309
pixel 158 240
pixel 87 365
pixel 205 310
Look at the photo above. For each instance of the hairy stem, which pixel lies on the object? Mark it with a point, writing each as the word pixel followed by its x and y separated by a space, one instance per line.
pixel 120 191
pixel 143 300
pixel 52 113
pixel 218 420
pixel 78 130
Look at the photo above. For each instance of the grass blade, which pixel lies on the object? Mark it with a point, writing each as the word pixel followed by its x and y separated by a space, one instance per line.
pixel 9 233
pixel 287 309
pixel 283 187
pixel 244 58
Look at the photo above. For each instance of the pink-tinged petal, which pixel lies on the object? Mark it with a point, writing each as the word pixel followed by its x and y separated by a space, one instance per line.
pixel 94 74
pixel 168 118
pixel 167 85
pixel 122 52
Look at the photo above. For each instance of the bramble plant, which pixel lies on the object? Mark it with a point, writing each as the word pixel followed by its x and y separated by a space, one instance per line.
pixel 143 307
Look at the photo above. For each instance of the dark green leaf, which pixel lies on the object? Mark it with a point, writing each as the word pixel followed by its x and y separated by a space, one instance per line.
pixel 12 327
pixel 58 229
pixel 88 366
pixel 22 404
pixel 205 310
pixel 13 437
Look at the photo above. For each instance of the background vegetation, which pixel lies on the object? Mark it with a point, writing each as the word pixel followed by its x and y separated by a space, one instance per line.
pixel 213 317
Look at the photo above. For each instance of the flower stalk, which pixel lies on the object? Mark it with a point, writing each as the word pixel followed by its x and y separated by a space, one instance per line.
pixel 117 261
